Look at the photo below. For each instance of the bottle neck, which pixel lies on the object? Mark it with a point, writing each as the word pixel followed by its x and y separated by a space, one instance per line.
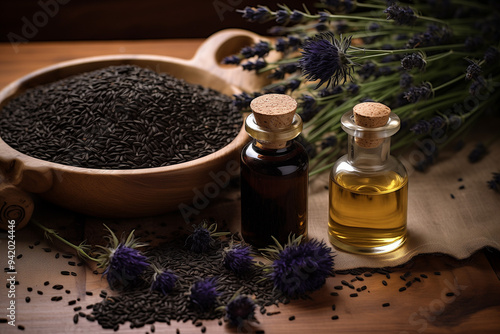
pixel 368 158
pixel 272 147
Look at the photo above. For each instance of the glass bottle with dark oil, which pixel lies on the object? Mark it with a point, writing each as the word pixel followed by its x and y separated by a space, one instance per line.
pixel 368 187
pixel 274 173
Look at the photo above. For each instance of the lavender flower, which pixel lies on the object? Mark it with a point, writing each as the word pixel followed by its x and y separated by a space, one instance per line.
pixel 233 59
pixel 282 16
pixel 261 49
pixel 163 280
pixel 243 100
pixel 257 65
pixel 330 141
pixel 421 127
pixel 260 14
pixel 299 267
pixel 491 55
pixel 402 16
pixel 296 16
pixel 437 122
pixel 281 45
pixel 237 258
pixel 293 84
pixel 309 108
pixel 406 80
pixel 331 91
pixel 122 261
pixel 240 309
pixel 367 70
pixel 413 60
pixel 204 293
pixel 325 58
pixel 473 71
pixel 494 183
pixel 419 93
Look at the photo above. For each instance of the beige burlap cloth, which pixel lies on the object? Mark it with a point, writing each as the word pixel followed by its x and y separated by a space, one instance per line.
pixel 437 223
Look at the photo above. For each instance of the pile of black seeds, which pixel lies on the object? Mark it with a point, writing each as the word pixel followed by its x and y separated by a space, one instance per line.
pixel 141 306
pixel 119 117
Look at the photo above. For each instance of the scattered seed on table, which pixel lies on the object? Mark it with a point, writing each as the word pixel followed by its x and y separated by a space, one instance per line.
pixel 359 278
pixel 220 322
pixel 73 273
pixel 19 256
pixel 408 284
pixel 76 309
pixel 338 287
pixel 386 304
pixel 65 273
pixel 334 294
pixel 57 255
pixel 384 282
pixel 72 263
pixel 47 249
pixel 40 292
pixel 437 273
pixel 67 256
pixel 460 179
pixel 353 295
pixel 423 275
pixel 31 246
pixel 58 287
pixel 335 317
pixel 36 243
pixel 450 294
pixel 72 302
pixel 461 187
pixel 273 313
pixel 75 318
pixel 89 293
pixel 46 283
pixel 367 274
pixel 28 299
pixel 30 289
pixel 260 331
pixel 20 327
pixel 56 298
pixel 452 196
pixel 402 289
pixel 417 279
pixel 333 307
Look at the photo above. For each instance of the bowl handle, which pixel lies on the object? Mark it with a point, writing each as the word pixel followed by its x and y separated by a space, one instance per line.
pixel 17 180
pixel 224 43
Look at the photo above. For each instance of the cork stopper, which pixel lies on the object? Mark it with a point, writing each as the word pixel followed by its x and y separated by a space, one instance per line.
pixel 370 115
pixel 274 112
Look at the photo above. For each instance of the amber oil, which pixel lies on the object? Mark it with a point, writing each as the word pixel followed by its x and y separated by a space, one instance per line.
pixel 381 223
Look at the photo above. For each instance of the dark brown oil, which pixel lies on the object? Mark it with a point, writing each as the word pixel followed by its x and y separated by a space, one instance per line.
pixel 274 185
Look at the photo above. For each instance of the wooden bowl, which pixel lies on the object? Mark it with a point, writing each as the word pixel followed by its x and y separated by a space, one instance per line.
pixel 137 192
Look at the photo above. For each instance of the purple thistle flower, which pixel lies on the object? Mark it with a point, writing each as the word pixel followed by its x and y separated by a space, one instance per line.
pixel 477 153
pixel 163 281
pixel 202 237
pixel 237 258
pixel 419 93
pixel 413 60
pixel 239 310
pixel 204 293
pixel 301 267
pixel 125 266
pixel 324 58
pixel 402 16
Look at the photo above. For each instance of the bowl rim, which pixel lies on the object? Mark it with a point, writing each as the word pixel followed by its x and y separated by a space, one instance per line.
pixel 10 154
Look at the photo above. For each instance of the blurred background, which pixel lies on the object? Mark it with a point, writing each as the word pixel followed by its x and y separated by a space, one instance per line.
pixel 63 20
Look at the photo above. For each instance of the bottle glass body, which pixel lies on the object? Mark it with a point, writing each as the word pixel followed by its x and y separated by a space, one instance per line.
pixel 368 198
pixel 274 192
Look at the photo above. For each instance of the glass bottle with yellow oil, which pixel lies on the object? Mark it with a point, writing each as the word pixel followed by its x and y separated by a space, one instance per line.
pixel 368 187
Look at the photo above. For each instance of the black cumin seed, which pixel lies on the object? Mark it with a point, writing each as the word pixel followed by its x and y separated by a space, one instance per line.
pixel 333 307
pixel 57 255
pixel 335 317
pixel 384 282
pixel 220 322
pixel 273 313
pixel 88 307
pixel 353 295
pixel 386 304
pixel 67 256
pixel 450 294
pixel 3 320
pixel 28 299
pixel 335 294
pixel 338 287
pixel 20 327
pixel 72 302
pixel 461 187
pixel 73 273
pixel 402 277
pixel 76 309
pixel 67 291
pixel 452 196
pixel 401 289
pixel 47 250
pixel 437 273
pixel 75 319
pixel 260 331
pixel 65 273
pixel 291 318
pixel 19 256
pixel 40 292
pixel 408 273
pixel 423 275
pixel 359 278
pixel 417 279
pixel 367 274
pixel 46 283
pixel 72 263
pixel 30 289
pixel 460 179
pixel 36 243
pixel 58 287
pixel 56 298
pixel 344 282
pixel 388 276
pixel 89 293
pixel 408 284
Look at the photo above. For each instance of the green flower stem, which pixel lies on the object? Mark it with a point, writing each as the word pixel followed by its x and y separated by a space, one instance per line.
pixel 460 77
pixel 321 169
pixel 52 233
pixel 426 48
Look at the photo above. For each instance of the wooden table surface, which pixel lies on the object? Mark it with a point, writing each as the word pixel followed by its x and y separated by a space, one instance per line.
pixel 456 297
